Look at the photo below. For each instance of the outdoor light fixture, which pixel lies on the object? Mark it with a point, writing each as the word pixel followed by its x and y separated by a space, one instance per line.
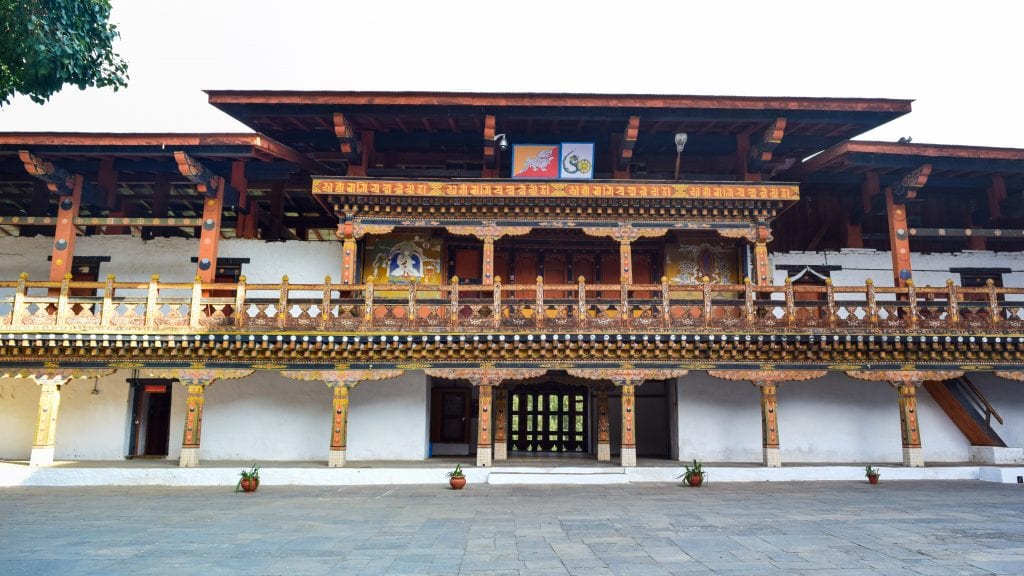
pixel 502 142
pixel 680 144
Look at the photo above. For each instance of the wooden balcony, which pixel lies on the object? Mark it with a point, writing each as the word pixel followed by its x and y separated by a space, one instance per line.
pixel 527 309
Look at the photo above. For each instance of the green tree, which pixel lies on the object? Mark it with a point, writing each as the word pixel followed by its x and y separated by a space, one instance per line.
pixel 45 44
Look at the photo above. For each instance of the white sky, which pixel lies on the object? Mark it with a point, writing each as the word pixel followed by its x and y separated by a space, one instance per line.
pixel 960 61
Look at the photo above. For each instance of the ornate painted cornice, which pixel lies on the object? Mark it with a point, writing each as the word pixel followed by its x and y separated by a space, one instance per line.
pixel 199 376
pixel 50 374
pixel 626 376
pixel 768 376
pixel 484 376
pixel 904 377
pixel 342 376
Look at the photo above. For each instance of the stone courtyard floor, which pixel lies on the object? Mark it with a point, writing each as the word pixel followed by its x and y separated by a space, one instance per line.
pixel 813 528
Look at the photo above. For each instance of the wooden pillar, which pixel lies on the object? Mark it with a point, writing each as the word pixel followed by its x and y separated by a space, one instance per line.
pixel 604 441
pixel 339 426
pixel 899 240
pixel 45 437
pixel 209 237
pixel 193 424
pixel 769 424
pixel 40 206
pixel 913 456
pixel 106 179
pixel 245 225
pixel 852 233
pixel 625 261
pixel 349 259
pixel 500 423
pixel 762 273
pixel 64 236
pixel 483 437
pixel 275 231
pixel 488 263
pixel 628 453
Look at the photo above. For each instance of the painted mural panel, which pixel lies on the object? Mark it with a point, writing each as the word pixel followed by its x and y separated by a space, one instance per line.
pixel 689 263
pixel 403 259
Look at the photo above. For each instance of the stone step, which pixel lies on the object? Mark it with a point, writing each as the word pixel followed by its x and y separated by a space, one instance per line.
pixel 558 476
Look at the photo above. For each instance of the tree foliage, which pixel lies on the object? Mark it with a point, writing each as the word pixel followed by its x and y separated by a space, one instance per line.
pixel 45 44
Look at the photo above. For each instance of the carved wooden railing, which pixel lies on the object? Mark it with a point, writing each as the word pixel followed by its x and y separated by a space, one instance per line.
pixel 455 308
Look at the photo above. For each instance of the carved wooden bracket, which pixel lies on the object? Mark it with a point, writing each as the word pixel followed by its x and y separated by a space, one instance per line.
pixel 768 376
pixel 904 377
pixel 485 376
pixel 341 377
pixel 488 231
pixel 907 187
pixel 57 179
pixel 626 233
pixel 627 376
pixel 200 376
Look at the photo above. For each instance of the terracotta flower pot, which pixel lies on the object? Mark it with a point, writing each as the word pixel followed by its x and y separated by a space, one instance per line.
pixel 872 478
pixel 695 480
pixel 249 485
pixel 457 482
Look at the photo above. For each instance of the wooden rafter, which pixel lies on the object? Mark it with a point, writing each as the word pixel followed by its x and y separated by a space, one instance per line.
pixel 763 145
pixel 348 137
pixel 628 142
pixel 490 131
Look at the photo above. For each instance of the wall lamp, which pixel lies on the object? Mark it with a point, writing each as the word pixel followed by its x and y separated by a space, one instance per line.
pixel 680 144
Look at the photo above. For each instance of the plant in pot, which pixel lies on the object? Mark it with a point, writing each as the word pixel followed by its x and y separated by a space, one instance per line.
pixel 694 475
pixel 456 478
pixel 872 474
pixel 249 480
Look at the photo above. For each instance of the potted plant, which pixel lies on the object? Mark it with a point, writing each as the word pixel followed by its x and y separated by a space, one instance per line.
pixel 872 474
pixel 456 478
pixel 249 480
pixel 694 475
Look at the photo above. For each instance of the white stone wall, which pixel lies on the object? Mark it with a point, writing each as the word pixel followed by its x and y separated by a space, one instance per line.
pixel 832 419
pixel 132 259
pixel 89 426
pixel 263 417
pixel 929 269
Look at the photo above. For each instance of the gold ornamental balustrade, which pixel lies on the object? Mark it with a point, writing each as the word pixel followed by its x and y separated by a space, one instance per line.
pixel 454 308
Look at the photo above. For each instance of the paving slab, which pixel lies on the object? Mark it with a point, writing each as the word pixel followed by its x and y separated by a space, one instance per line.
pixel 809 528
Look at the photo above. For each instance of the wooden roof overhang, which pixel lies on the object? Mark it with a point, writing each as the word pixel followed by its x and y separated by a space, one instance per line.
pixel 412 121
pixel 142 159
pixel 555 204
pixel 953 167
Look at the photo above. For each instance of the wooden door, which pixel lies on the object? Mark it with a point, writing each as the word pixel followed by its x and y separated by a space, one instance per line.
pixel 548 420
pixel 151 418
pixel 450 415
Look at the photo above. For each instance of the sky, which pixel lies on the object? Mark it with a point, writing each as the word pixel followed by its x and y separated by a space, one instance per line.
pixel 959 61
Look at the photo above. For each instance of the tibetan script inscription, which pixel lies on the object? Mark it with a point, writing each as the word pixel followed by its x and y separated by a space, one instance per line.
pixel 737 191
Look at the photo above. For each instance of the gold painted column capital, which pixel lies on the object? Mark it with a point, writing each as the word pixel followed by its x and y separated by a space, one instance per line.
pixel 486 376
pixel 768 377
pixel 341 377
pixel 904 377
pixel 627 376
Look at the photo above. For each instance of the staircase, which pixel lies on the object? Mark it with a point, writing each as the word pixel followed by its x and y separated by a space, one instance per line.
pixel 968 409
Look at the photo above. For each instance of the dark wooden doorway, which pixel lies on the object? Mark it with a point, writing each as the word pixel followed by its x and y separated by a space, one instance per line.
pixel 151 418
pixel 450 418
pixel 548 420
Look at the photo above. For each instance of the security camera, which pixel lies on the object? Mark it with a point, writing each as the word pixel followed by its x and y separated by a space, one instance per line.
pixel 502 142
